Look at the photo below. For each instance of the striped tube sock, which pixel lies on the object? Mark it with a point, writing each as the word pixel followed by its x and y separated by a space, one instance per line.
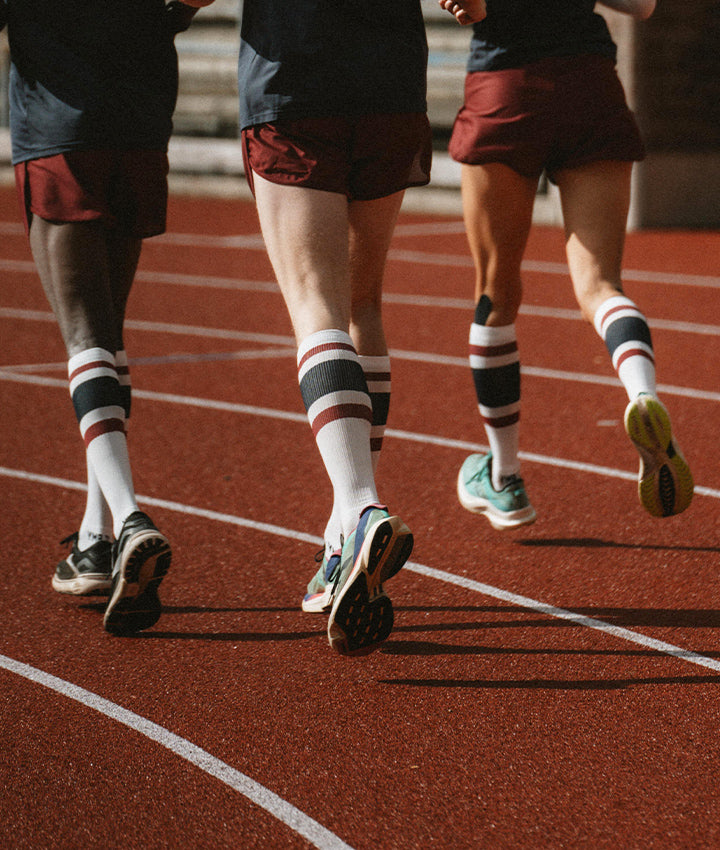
pixel 495 365
pixel 626 334
pixel 123 372
pixel 338 406
pixel 97 522
pixel 377 376
pixel 97 399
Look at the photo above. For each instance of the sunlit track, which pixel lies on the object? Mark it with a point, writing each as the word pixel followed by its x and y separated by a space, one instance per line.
pixel 286 813
pixel 287 350
pixel 421 569
pixel 254 242
pixel 554 685
pixel 291 416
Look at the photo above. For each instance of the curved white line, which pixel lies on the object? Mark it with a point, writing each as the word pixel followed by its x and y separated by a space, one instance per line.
pixel 431 572
pixel 285 812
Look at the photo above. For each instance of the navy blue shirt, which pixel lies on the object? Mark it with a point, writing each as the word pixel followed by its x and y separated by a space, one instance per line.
pixel 309 58
pixel 517 32
pixel 90 74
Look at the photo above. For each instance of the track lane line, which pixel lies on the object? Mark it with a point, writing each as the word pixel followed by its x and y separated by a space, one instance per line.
pixel 409 436
pixel 526 602
pixel 280 809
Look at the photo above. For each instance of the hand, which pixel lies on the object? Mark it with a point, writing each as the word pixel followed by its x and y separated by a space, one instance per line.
pixel 465 11
pixel 178 16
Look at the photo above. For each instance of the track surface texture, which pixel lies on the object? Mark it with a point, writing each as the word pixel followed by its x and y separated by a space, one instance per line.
pixel 555 686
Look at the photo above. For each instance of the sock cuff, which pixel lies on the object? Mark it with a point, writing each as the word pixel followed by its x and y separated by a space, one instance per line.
pixel 491 336
pixel 613 308
pixel 323 342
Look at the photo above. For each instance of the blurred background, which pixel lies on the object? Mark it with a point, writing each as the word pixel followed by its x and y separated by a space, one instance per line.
pixel 669 65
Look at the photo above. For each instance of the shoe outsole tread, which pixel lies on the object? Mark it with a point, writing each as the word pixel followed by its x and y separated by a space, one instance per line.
pixel 134 603
pixel 665 482
pixel 362 614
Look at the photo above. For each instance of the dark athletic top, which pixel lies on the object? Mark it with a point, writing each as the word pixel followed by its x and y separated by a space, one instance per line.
pixel 517 32
pixel 310 58
pixel 90 74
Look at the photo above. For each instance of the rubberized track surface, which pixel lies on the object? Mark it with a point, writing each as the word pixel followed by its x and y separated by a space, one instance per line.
pixel 557 686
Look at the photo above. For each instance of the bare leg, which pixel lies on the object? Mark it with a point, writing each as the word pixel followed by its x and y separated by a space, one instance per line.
pixel 371 228
pixel 86 272
pixel 306 235
pixel 595 201
pixel 497 204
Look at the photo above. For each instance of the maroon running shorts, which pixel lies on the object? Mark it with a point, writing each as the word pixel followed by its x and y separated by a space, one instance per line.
pixel 363 157
pixel 123 188
pixel 557 113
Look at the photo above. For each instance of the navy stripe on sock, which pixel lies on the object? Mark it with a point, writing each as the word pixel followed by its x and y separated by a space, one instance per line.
pixel 331 376
pixel 98 392
pixel 626 329
pixel 497 387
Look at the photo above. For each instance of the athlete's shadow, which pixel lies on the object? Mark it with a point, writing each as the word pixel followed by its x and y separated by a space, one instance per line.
pixel 599 543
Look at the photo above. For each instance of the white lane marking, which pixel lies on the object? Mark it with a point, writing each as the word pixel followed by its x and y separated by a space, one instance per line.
pixel 409 436
pixel 430 572
pixel 399 354
pixel 285 812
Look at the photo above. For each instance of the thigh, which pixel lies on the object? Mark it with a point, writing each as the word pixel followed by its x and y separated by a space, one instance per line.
pixel 505 119
pixel 390 153
pixel 497 205
pixel 312 153
pixel 306 235
pixel 122 189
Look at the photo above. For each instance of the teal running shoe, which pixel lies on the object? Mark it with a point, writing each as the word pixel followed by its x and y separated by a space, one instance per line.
pixel 362 615
pixel 321 589
pixel 665 483
pixel 506 508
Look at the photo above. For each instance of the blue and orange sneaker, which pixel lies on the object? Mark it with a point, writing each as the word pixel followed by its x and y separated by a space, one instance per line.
pixel 321 589
pixel 362 614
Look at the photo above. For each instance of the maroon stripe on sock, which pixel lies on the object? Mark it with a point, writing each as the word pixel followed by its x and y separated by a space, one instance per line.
pixel 501 421
pixel 376 444
pixel 634 352
pixel 341 411
pixel 106 426
pixel 377 376
pixel 620 308
pixel 326 346
pixel 96 364
pixel 493 350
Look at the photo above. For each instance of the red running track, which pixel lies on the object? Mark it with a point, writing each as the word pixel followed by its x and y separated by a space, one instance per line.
pixel 558 686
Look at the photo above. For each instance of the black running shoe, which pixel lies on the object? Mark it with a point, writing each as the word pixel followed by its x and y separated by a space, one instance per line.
pixel 141 560
pixel 86 573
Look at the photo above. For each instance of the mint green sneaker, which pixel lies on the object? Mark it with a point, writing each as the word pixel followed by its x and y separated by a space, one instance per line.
pixel 665 483
pixel 320 590
pixel 506 508
pixel 362 614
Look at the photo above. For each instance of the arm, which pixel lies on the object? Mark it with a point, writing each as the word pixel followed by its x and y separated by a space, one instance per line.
pixel 638 9
pixel 466 11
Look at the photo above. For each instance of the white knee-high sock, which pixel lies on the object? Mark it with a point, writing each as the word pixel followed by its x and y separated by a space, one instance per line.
pixel 97 521
pixel 338 406
pixel 377 376
pixel 98 402
pixel 495 365
pixel 626 334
